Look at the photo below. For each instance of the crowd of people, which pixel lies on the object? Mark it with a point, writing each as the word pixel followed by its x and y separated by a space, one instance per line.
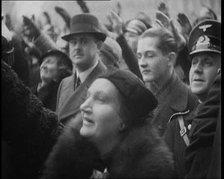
pixel 134 99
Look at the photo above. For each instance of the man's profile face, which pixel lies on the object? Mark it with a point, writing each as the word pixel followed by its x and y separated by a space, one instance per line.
pixel 204 67
pixel 83 49
pixel 152 62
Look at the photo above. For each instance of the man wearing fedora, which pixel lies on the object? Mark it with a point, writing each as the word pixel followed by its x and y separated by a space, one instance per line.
pixel 84 40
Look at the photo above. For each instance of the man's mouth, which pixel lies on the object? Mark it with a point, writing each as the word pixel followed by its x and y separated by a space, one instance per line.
pixel 145 71
pixel 198 80
pixel 78 55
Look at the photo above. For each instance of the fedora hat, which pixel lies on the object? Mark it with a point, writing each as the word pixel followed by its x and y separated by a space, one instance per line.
pixel 85 24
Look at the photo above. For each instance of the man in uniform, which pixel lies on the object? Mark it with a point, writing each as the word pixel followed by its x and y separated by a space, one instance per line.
pixel 188 129
pixel 203 155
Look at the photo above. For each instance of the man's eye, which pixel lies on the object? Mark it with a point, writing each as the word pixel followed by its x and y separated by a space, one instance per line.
pixel 73 42
pixel 194 62
pixel 84 41
pixel 149 55
pixel 208 63
pixel 139 56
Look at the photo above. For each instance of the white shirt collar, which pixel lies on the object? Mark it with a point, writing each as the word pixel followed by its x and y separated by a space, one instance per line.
pixel 83 75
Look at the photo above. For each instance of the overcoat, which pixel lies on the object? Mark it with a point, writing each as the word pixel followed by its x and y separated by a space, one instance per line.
pixel 69 99
pixel 29 130
pixel 173 98
pixel 48 94
pixel 203 155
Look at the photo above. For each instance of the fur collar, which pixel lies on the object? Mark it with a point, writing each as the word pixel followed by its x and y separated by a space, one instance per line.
pixel 141 154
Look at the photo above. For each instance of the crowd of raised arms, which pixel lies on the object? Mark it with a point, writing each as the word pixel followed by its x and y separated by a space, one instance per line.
pixel 139 98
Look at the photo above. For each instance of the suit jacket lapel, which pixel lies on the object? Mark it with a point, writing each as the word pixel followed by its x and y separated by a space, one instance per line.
pixel 72 105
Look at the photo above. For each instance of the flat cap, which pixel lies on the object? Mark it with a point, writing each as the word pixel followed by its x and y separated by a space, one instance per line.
pixel 205 37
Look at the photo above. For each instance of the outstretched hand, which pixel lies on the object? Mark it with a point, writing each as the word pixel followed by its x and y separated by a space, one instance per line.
pixel 165 21
pixel 30 30
pixel 117 23
pixel 185 24
pixel 162 19
pixel 164 9
pixel 180 40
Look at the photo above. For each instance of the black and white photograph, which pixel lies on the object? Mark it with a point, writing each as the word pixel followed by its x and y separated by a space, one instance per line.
pixel 100 89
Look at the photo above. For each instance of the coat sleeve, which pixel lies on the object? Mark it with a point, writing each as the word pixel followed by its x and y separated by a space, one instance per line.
pixel 129 56
pixel 29 128
pixel 198 153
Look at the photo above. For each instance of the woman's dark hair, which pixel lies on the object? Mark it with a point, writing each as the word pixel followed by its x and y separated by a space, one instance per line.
pixel 63 61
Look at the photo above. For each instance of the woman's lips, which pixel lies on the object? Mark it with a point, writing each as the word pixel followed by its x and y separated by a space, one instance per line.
pixel 87 121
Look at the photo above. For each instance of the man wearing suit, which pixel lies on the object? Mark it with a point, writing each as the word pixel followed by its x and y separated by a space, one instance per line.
pixel 85 40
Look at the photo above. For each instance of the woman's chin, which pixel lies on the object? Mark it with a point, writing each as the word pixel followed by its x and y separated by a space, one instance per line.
pixel 85 132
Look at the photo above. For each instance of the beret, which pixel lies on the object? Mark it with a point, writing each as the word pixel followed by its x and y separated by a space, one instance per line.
pixel 138 99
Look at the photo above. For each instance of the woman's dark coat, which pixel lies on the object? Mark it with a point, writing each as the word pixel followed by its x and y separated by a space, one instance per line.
pixel 141 154
pixel 29 130
pixel 48 95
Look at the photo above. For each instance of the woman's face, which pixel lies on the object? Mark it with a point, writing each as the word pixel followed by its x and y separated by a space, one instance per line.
pixel 49 69
pixel 100 112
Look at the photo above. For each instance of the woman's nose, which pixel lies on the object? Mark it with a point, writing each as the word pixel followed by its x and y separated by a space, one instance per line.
pixel 86 106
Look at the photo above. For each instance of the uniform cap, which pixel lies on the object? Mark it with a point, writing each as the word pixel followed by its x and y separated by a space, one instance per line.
pixel 205 37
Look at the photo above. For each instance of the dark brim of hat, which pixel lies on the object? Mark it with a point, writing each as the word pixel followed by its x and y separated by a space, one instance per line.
pixel 204 50
pixel 98 35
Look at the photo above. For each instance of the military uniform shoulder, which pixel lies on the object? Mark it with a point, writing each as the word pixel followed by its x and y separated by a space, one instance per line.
pixel 175 115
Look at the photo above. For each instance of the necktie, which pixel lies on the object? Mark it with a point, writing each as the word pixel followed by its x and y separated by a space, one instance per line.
pixel 77 82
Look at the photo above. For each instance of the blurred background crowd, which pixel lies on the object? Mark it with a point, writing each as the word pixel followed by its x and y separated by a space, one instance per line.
pixel 53 18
